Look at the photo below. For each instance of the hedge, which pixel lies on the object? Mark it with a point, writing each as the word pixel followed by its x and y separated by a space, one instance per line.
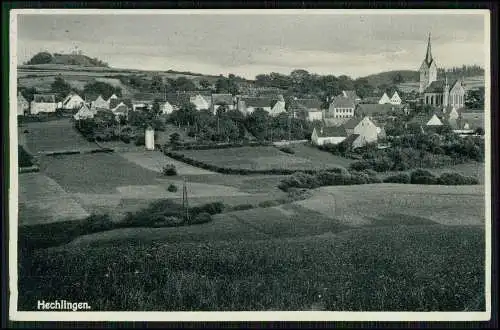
pixel 24 158
pixel 188 146
pixel 398 178
pixel 453 178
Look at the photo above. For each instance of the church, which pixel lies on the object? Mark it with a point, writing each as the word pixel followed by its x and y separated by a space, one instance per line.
pixel 439 93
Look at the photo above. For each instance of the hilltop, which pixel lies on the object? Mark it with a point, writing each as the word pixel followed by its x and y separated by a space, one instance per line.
pixel 66 59
pixel 392 77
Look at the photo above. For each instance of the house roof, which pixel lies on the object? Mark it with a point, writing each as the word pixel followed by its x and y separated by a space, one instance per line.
pixel 148 97
pixel 435 87
pixel 332 131
pixel 335 121
pixel 341 101
pixel 370 100
pixel 178 98
pixel 371 109
pixel 351 95
pixel 305 104
pixel 258 102
pixel 350 139
pixel 353 122
pixel 222 99
pixel 44 98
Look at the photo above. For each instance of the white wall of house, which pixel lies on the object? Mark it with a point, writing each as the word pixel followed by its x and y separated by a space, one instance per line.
pixel 199 102
pixel 314 115
pixel 319 141
pixel 367 129
pixel 384 99
pixel 22 106
pixel 73 102
pixel 456 97
pixel 395 99
pixel 434 121
pixel 278 108
pixel 42 107
pixel 340 112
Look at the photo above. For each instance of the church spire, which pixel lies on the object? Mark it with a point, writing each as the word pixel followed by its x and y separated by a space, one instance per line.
pixel 428 56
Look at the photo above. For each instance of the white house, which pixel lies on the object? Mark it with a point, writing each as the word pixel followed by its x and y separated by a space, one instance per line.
pixel 434 121
pixel 84 113
pixel 384 99
pixel 120 110
pixel 365 128
pixel 166 108
pixel 72 102
pixel 100 103
pixel 273 106
pixel 201 102
pixel 341 107
pixel 23 105
pixel 328 135
pixel 277 108
pixel 43 103
pixel 395 99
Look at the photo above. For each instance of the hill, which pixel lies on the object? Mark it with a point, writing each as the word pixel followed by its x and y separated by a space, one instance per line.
pixel 392 77
pixel 66 59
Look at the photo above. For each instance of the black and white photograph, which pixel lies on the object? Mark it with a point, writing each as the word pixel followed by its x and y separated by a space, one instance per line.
pixel 250 165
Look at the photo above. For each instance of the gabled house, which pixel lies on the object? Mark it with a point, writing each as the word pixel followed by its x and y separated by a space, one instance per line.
pixel 121 109
pixel 328 135
pixel 113 101
pixel 395 99
pixel 218 100
pixel 365 128
pixel 384 99
pixel 166 108
pixel 423 121
pixel 352 95
pixel 72 102
pixel 100 103
pixel 84 113
pixel 273 106
pixel 308 109
pixel 23 106
pixel 201 102
pixel 43 103
pixel 341 107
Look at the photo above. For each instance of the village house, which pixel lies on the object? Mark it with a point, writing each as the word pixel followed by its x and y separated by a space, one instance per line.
pixel 328 135
pixel 166 108
pixel 23 106
pixel 422 122
pixel 99 103
pixel 72 102
pixel 218 100
pixel 113 101
pixel 395 99
pixel 380 110
pixel 308 109
pixel 367 130
pixel 272 105
pixel 341 107
pixel 471 120
pixel 384 99
pixel 121 109
pixel 84 113
pixel 201 102
pixel 352 95
pixel 43 103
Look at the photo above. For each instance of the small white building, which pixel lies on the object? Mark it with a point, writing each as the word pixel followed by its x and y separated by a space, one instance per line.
pixel 201 102
pixel 395 99
pixel 43 103
pixel 72 102
pixel 166 108
pixel 150 138
pixel 84 113
pixel 328 135
pixel 384 99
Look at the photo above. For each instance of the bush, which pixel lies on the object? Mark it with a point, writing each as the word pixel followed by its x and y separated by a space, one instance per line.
pixel 269 203
pixel 359 166
pixel 125 139
pixel 210 208
pixel 167 221
pixel 299 180
pixel 424 179
pixel 453 178
pixel 24 158
pixel 140 140
pixel 96 223
pixel 399 178
pixel 419 173
pixel 242 207
pixel 172 188
pixel 169 170
pixel 203 217
pixel 288 150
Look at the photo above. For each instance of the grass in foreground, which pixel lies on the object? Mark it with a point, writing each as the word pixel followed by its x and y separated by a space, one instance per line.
pixel 417 268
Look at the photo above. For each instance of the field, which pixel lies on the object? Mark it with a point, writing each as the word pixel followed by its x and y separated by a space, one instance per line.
pixel 56 135
pixel 265 158
pixel 357 248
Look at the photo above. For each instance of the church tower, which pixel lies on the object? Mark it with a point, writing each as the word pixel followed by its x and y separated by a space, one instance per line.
pixel 428 69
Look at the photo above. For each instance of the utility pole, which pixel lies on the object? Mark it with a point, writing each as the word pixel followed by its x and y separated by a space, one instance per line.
pixel 185 205
pixel 289 128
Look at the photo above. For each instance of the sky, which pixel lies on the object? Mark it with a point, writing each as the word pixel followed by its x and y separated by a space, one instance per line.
pixel 249 44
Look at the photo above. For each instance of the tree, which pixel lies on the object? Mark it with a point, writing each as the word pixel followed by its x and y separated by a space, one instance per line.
pixel 60 87
pixel 175 138
pixel 41 58
pixel 182 84
pixel 156 108
pixel 205 83
pixel 102 88
pixel 157 84
pixel 474 99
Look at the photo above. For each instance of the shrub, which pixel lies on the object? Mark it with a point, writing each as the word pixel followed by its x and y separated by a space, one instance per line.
pixel 424 179
pixel 172 188
pixel 454 178
pixel 96 223
pixel 202 217
pixel 299 180
pixel 169 170
pixel 418 173
pixel 359 166
pixel 167 221
pixel 242 207
pixel 269 203
pixel 288 150
pixel 399 178
pixel 140 140
pixel 210 208
pixel 125 138
pixel 24 158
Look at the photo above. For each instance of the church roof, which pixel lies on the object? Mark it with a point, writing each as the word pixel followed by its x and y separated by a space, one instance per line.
pixel 435 87
pixel 428 54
